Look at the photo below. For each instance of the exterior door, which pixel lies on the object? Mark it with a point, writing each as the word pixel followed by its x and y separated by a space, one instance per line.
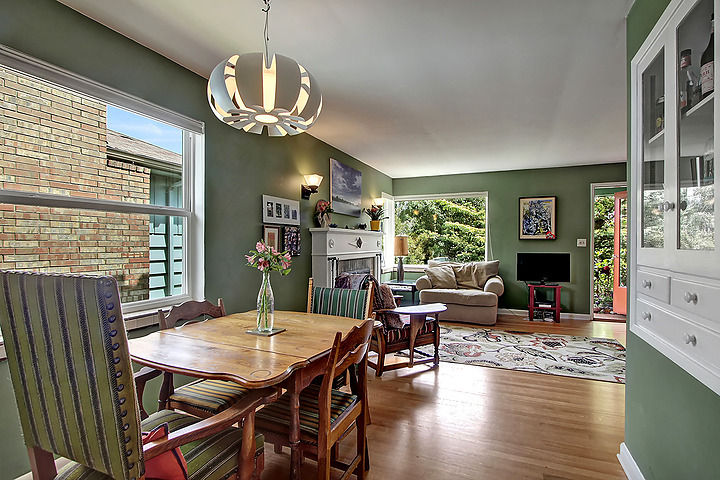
pixel 620 255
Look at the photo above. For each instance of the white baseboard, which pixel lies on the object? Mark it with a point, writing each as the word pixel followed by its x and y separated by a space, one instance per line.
pixel 628 464
pixel 565 315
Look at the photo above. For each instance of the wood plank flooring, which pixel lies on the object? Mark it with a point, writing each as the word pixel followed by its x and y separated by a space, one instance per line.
pixel 471 422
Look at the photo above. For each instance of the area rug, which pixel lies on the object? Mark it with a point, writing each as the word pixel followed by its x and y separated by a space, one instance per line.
pixel 566 355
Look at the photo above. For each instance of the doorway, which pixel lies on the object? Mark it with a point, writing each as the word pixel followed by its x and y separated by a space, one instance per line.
pixel 609 252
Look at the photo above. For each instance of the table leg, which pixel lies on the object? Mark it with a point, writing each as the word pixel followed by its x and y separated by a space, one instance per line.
pixel 416 323
pixel 437 341
pixel 295 455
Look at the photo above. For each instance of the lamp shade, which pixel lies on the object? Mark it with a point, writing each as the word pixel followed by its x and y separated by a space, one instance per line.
pixel 313 180
pixel 249 94
pixel 401 245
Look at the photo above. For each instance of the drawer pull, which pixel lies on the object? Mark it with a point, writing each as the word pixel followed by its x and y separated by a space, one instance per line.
pixel 646 284
pixel 646 316
pixel 690 297
pixel 690 339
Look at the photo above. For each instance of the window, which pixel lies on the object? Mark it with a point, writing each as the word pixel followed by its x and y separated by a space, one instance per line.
pixel 443 226
pixel 95 181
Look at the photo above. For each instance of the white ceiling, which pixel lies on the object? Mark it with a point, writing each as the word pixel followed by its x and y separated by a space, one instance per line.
pixel 423 87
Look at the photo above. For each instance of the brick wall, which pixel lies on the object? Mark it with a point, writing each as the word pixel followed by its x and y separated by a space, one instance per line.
pixel 54 142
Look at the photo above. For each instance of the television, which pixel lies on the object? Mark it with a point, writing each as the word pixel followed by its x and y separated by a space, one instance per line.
pixel 543 267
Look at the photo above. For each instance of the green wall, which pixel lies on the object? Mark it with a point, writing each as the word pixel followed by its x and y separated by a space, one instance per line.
pixel 240 167
pixel 571 186
pixel 672 421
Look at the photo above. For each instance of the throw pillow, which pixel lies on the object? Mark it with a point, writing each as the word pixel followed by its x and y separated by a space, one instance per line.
pixel 466 275
pixel 486 270
pixel 391 320
pixel 170 465
pixel 442 276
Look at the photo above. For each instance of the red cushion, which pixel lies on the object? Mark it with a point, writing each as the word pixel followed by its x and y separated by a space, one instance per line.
pixel 170 465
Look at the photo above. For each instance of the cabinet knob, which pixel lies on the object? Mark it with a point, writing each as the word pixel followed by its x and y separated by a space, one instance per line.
pixel 690 339
pixel 646 284
pixel 667 206
pixel 690 297
pixel 646 316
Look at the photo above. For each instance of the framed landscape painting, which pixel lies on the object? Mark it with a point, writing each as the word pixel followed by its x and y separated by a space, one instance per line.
pixel 537 218
pixel 345 189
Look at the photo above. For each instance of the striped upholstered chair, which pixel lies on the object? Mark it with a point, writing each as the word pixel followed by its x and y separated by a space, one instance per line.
pixel 202 398
pixel 70 369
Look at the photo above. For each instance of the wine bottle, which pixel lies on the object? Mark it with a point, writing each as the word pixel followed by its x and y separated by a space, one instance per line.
pixel 707 63
pixel 688 81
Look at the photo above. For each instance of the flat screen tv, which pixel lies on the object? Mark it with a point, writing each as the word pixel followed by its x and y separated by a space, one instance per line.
pixel 543 267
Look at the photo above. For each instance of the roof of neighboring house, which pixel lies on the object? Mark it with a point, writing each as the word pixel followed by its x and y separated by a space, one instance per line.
pixel 124 143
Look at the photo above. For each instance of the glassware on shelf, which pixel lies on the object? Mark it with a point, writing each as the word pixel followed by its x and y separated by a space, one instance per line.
pixel 707 62
pixel 689 82
pixel 709 159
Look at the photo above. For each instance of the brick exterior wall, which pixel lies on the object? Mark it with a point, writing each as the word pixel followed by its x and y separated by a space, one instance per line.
pixel 54 142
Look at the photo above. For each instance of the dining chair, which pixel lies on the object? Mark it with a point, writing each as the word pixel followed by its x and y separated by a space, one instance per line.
pixel 327 414
pixel 392 335
pixel 71 372
pixel 343 302
pixel 202 398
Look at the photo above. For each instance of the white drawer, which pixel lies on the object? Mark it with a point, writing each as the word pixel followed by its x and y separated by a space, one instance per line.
pixel 697 298
pixel 692 341
pixel 654 285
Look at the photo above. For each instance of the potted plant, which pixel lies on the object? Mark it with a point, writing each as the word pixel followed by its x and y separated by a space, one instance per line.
pixel 376 214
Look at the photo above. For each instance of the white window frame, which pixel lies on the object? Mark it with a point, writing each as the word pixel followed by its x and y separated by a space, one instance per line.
pixel 390 233
pixel 193 211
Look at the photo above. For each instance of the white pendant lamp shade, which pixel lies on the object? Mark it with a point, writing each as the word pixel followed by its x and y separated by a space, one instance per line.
pixel 248 94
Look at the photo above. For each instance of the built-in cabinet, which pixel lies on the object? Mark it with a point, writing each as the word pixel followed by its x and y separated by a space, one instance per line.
pixel 675 259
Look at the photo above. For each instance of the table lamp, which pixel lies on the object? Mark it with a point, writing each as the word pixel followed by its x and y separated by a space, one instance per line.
pixel 401 250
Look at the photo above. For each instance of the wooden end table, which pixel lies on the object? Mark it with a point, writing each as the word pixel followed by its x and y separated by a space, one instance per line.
pixel 404 286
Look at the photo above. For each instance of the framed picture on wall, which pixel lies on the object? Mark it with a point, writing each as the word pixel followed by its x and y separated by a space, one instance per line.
pixel 537 218
pixel 280 210
pixel 345 188
pixel 271 235
pixel 291 240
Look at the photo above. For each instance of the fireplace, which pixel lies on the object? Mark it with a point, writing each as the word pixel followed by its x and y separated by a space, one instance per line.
pixel 337 250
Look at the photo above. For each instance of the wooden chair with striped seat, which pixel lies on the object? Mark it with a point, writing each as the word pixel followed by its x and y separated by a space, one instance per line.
pixel 327 414
pixel 201 398
pixel 71 372
pixel 342 302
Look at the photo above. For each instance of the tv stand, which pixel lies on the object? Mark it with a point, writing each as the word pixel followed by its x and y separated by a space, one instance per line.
pixel 552 304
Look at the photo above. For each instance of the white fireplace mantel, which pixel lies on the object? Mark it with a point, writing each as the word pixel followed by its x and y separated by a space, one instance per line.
pixel 330 245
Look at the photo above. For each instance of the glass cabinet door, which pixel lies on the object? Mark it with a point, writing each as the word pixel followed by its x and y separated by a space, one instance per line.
pixel 696 143
pixel 652 231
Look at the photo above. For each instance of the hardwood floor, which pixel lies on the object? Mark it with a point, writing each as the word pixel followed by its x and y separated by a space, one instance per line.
pixel 463 421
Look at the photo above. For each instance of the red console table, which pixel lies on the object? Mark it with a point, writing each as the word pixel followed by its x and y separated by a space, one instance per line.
pixel 552 304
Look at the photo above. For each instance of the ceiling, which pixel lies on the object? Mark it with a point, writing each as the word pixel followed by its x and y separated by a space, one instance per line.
pixel 427 87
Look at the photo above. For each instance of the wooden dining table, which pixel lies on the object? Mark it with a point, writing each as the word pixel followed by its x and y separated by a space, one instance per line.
pixel 221 348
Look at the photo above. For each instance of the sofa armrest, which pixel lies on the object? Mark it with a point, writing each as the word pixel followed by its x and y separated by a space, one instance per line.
pixel 495 285
pixel 423 283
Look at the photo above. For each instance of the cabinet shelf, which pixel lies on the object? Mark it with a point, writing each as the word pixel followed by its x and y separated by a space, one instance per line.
pixel 700 107
pixel 657 136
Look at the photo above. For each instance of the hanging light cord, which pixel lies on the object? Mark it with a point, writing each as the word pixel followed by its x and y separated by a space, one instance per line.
pixel 266 36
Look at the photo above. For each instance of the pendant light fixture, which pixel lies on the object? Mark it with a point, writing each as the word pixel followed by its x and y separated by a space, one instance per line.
pixel 254 90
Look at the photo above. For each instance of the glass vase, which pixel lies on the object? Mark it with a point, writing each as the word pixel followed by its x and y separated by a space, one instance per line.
pixel 265 305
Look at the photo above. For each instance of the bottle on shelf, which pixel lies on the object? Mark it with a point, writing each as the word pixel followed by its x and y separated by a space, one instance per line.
pixel 660 114
pixel 707 63
pixel 689 83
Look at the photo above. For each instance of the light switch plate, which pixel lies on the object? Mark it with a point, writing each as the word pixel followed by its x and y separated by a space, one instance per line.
pixel 581 242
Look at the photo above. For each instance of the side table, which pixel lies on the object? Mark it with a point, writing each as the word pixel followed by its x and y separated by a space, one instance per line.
pixel 404 286
pixel 552 304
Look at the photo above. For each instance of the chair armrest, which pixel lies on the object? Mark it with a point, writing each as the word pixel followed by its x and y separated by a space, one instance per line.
pixel 141 377
pixel 243 409
pixel 495 285
pixel 423 283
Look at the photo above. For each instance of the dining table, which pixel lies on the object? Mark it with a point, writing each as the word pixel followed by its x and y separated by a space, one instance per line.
pixel 221 348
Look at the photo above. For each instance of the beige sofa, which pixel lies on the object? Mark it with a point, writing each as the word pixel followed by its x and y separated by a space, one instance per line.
pixel 470 290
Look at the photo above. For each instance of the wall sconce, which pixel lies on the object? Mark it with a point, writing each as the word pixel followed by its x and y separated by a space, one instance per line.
pixel 312 182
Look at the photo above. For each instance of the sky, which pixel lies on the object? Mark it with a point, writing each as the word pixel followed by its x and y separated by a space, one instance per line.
pixel 145 129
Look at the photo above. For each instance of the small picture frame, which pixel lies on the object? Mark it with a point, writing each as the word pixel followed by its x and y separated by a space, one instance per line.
pixel 291 240
pixel 271 235
pixel 537 218
pixel 280 210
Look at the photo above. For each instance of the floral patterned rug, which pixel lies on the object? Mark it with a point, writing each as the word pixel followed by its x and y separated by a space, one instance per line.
pixel 566 355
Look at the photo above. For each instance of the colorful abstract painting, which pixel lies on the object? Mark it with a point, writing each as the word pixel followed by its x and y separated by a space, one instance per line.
pixel 537 218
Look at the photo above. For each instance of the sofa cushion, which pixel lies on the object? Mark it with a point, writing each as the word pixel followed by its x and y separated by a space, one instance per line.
pixel 460 297
pixel 442 276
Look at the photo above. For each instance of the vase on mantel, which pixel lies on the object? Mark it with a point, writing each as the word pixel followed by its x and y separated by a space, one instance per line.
pixel 265 305
pixel 323 220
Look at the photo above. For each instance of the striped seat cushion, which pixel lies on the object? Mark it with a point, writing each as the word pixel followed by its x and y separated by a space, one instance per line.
pixel 393 335
pixel 275 416
pixel 341 302
pixel 212 396
pixel 211 458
